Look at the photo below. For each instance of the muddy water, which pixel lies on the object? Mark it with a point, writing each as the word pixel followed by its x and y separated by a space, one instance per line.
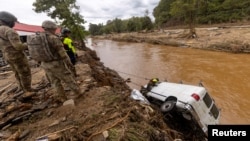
pixel 225 75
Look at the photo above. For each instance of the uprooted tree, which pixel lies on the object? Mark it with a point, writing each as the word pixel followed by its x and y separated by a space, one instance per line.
pixel 63 13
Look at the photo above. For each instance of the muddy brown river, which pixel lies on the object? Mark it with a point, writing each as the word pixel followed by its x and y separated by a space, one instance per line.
pixel 225 75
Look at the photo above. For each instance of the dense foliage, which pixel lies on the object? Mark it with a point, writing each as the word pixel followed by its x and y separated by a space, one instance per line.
pixel 118 26
pixel 66 13
pixel 179 12
pixel 205 11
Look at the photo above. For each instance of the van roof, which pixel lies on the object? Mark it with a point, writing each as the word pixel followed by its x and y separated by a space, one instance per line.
pixel 181 91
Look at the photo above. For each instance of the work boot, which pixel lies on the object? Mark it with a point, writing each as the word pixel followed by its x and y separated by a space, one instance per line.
pixel 59 94
pixel 60 98
pixel 28 95
pixel 31 90
pixel 34 89
pixel 19 89
pixel 78 94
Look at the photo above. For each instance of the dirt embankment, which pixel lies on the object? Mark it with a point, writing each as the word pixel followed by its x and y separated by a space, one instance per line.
pixel 104 112
pixel 230 38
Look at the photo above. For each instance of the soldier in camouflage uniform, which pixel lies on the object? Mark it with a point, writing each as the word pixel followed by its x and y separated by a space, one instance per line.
pixel 58 69
pixel 13 51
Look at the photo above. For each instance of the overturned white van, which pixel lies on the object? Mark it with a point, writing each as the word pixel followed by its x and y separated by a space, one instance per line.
pixel 193 102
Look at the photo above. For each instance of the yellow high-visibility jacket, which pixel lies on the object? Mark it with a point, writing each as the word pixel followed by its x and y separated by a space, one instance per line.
pixel 68 41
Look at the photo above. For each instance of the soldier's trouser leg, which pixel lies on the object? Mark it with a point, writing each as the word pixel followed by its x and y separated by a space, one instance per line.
pixel 22 73
pixel 59 71
pixel 68 78
pixel 71 83
pixel 56 84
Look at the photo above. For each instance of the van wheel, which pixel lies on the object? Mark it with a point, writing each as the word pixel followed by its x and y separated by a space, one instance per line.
pixel 167 106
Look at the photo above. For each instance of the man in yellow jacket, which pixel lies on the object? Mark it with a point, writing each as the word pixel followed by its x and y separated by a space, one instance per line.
pixel 68 45
pixel 70 49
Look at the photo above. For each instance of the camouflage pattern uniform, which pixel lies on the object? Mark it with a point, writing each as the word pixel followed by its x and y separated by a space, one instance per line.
pixel 13 52
pixel 58 70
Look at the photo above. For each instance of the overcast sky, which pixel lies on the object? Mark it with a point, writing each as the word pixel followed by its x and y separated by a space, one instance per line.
pixel 93 11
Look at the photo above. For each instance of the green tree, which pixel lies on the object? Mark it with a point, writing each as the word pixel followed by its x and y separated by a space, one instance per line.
pixel 188 9
pixel 131 25
pixel 66 12
pixel 162 12
pixel 117 25
pixel 95 29
pixel 146 23
pixel 138 23
pixel 108 28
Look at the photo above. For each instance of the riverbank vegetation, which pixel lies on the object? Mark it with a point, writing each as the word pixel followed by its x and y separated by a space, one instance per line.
pixel 221 25
pixel 185 13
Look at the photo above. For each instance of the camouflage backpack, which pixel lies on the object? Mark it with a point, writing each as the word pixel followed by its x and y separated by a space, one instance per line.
pixel 38 47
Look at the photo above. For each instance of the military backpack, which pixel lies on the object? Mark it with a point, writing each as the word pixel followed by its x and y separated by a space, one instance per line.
pixel 38 47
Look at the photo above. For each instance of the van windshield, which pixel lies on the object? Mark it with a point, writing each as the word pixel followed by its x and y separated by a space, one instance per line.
pixel 215 111
pixel 208 100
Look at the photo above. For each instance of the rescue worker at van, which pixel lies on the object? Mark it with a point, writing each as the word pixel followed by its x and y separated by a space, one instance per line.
pixel 152 82
pixel 58 70
pixel 13 51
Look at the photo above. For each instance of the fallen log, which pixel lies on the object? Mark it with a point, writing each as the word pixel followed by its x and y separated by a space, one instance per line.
pixel 6 87
pixel 7 121
pixel 14 137
pixel 24 133
pixel 54 135
pixel 5 68
pixel 15 118
pixel 4 73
